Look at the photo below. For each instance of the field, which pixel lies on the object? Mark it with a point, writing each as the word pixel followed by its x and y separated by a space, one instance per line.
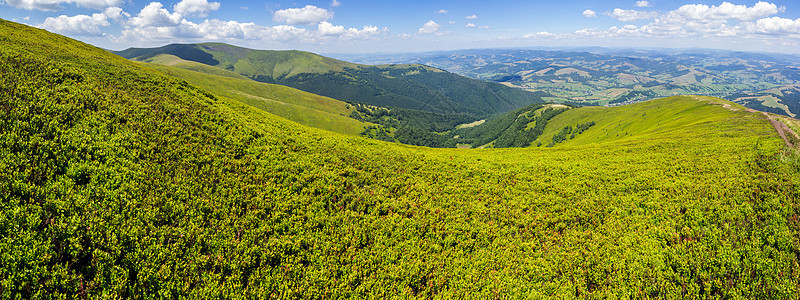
pixel 118 181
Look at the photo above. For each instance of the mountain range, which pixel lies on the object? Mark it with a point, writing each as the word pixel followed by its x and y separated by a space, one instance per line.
pixel 613 76
pixel 407 86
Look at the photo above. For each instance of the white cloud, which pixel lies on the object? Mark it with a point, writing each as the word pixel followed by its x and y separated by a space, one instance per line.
pixel 429 27
pixel 154 15
pixel 451 22
pixel 472 17
pixel 209 30
pixel 726 10
pixel 629 15
pixel 326 28
pixel 540 34
pixel 336 3
pixel 84 24
pixel 216 30
pixel 699 22
pixel 776 25
pixel 197 7
pixel 55 5
pixel 116 14
pixel 586 31
pixel 485 27
pixel 442 11
pixel 308 15
pixel 157 24
pixel 589 13
pixel 643 4
pixel 470 25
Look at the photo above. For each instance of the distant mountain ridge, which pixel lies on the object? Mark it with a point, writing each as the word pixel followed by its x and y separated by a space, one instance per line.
pixel 408 86
pixel 619 76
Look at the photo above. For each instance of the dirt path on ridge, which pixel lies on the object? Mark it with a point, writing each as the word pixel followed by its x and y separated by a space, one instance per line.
pixel 782 129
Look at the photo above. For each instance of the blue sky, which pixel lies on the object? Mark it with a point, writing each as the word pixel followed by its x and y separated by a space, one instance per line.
pixel 354 26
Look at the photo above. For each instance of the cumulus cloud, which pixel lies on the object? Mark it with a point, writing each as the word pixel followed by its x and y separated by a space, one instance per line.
pixel 726 10
pixel 155 15
pixel 83 24
pixel 589 13
pixel 442 11
pixel 470 25
pixel 335 3
pixel 776 25
pixel 217 30
pixel 429 27
pixel 196 7
pixel 308 15
pixel 699 21
pixel 472 17
pixel 643 3
pixel 55 5
pixel 326 29
pixel 155 23
pixel 540 34
pixel 586 31
pixel 629 15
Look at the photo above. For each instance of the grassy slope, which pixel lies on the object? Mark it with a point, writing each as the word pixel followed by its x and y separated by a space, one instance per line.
pixel 119 181
pixel 172 60
pixel 296 105
pixel 277 64
pixel 638 121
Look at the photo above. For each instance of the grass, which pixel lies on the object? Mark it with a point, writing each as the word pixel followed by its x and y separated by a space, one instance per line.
pixel 298 106
pixel 118 181
pixel 639 121
pixel 277 64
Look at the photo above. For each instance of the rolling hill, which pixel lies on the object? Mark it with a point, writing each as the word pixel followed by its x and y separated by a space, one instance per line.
pixel 296 105
pixel 119 181
pixel 412 86
pixel 614 76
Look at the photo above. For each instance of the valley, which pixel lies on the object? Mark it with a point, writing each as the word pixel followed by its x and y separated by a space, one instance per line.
pixel 601 76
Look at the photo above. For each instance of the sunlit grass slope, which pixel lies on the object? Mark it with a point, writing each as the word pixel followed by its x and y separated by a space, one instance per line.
pixel 119 181
pixel 296 105
pixel 642 121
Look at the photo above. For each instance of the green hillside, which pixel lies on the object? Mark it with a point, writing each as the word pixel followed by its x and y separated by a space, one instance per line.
pixel 414 87
pixel 302 107
pixel 118 181
pixel 638 121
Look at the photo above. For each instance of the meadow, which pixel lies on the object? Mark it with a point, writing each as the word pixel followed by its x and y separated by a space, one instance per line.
pixel 119 181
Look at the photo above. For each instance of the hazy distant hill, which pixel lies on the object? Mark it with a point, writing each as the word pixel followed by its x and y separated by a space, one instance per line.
pixel 408 86
pixel 613 76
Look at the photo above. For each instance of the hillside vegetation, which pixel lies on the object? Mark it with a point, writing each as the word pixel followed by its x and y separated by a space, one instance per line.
pixel 301 107
pixel 120 181
pixel 414 86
